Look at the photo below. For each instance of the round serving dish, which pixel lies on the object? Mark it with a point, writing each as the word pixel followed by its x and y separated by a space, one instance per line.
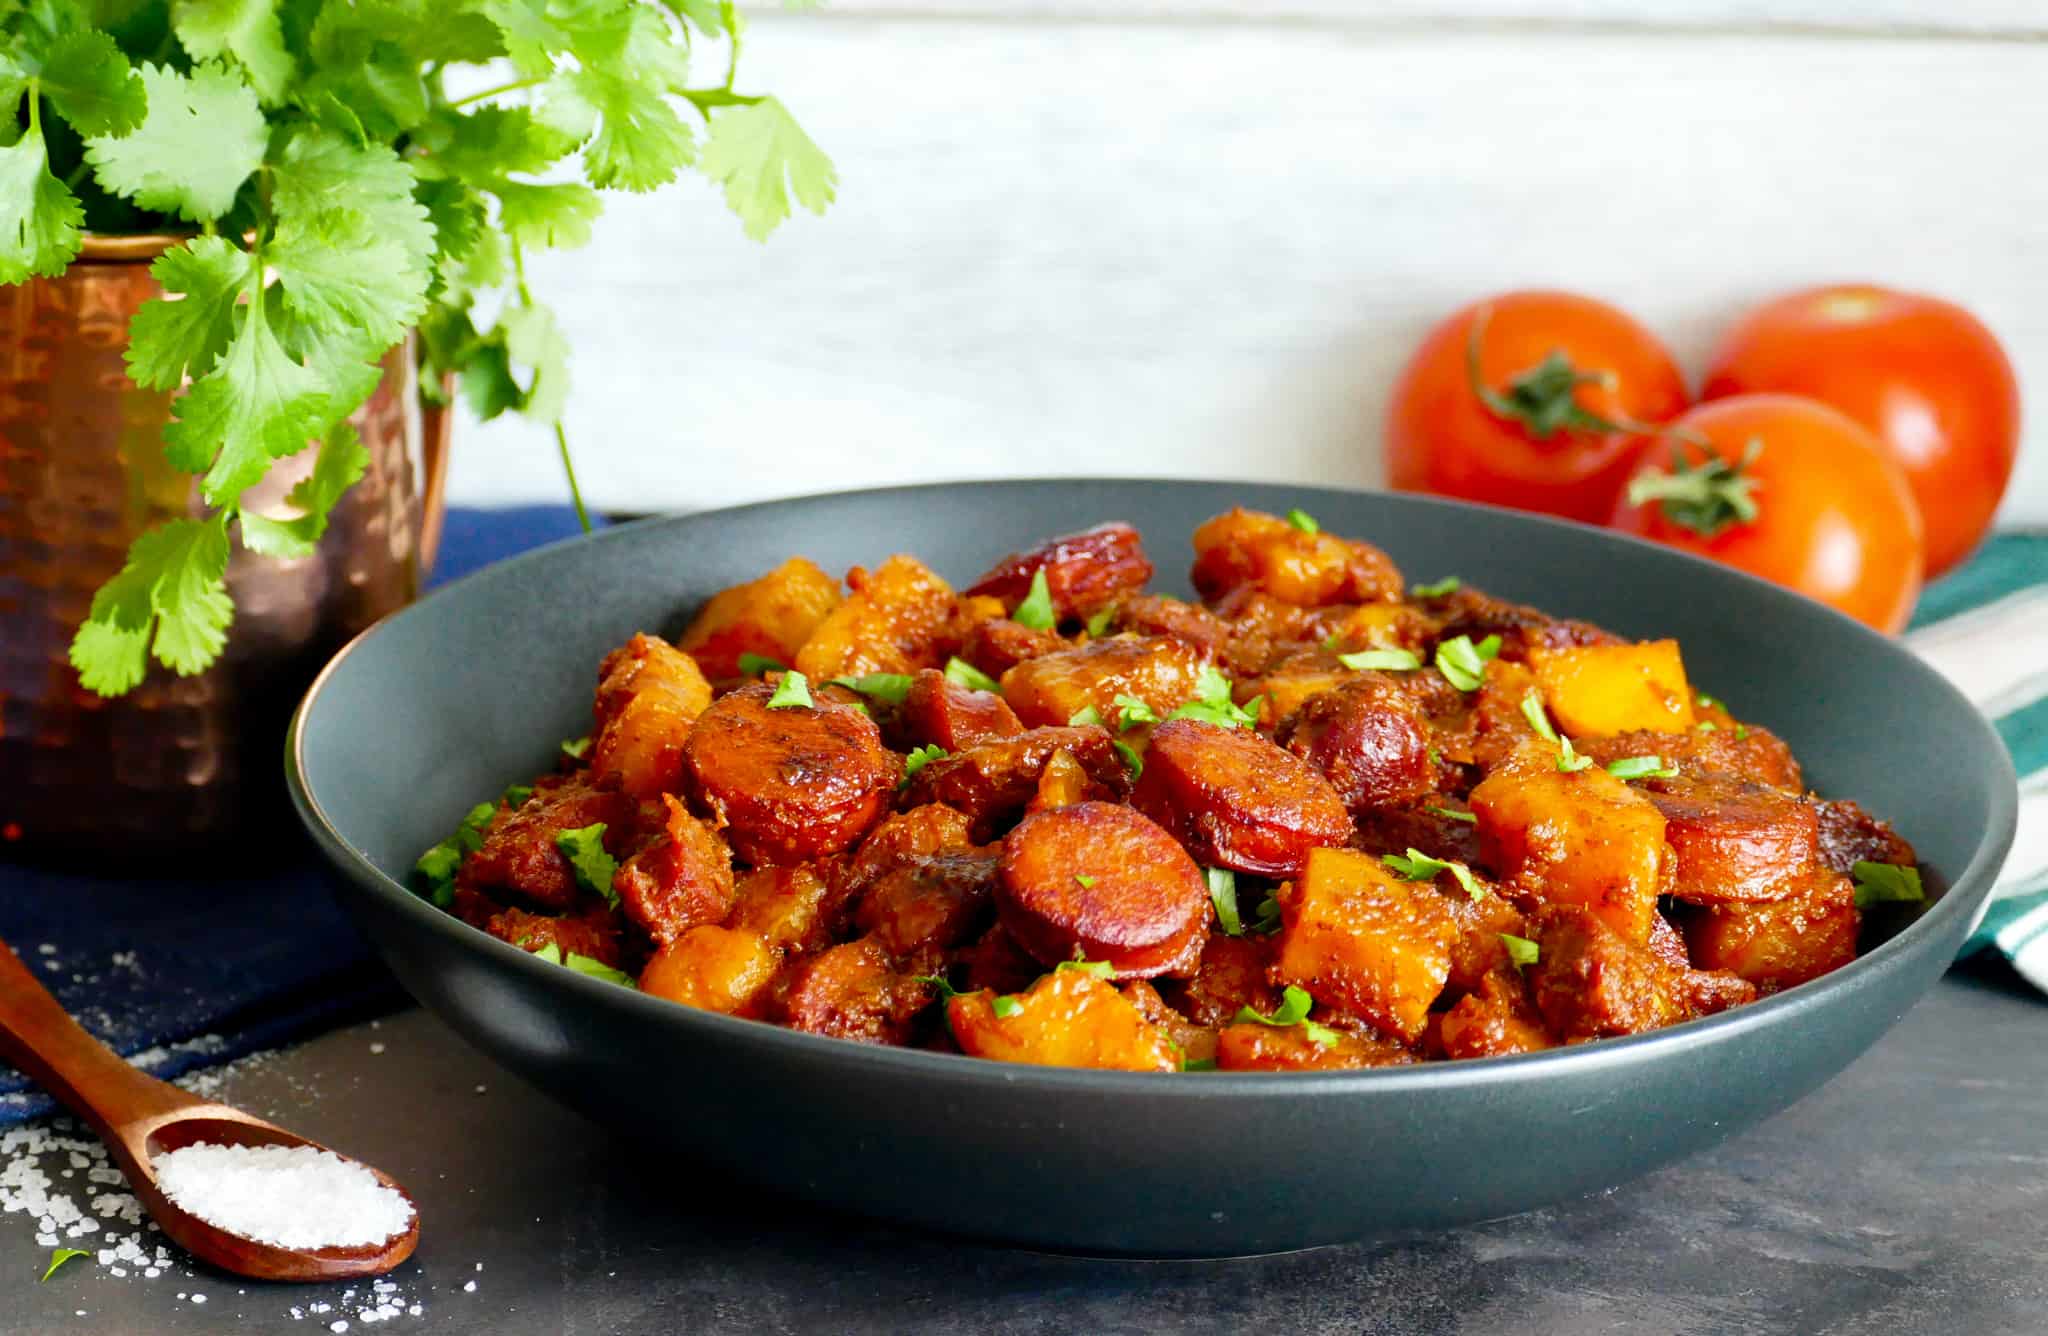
pixel 473 687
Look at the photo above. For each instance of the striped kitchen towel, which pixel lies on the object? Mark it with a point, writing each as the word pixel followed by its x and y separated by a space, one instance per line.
pixel 1986 629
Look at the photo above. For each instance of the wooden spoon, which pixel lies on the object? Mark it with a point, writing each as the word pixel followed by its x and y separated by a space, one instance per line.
pixel 139 1117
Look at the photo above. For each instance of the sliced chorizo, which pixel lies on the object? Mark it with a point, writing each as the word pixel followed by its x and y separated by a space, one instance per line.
pixel 931 903
pixel 1101 881
pixel 1368 740
pixel 1083 571
pixel 1735 840
pixel 850 991
pixel 1235 800
pixel 998 644
pixel 938 712
pixel 520 858
pixel 682 878
pixel 793 783
pixel 1849 835
pixel 992 782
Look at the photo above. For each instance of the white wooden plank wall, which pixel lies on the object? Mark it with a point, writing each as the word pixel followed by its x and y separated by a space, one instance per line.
pixel 1199 237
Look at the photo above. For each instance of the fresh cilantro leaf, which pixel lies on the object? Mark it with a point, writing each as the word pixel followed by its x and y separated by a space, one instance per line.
pixel 1569 761
pixel 515 795
pixel 1452 814
pixel 1099 620
pixel 1538 717
pixel 1463 663
pixel 1224 713
pixel 1879 883
pixel 1441 589
pixel 1387 660
pixel 257 405
pixel 60 1257
pixel 964 674
pixel 534 341
pixel 753 665
pixel 1419 866
pixel 1132 761
pixel 612 100
pixel 1132 712
pixel 1642 767
pixel 353 246
pixel 1084 881
pixel 597 969
pixel 947 992
pixel 168 338
pixel 201 138
pixel 487 144
pixel 577 748
pixel 919 759
pixel 549 951
pixel 557 215
pixel 89 82
pixel 1741 732
pixel 171 597
pixel 437 866
pixel 1303 521
pixel 1706 726
pixel 1005 1007
pixel 1087 714
pixel 1036 609
pixel 1094 969
pixel 1292 1011
pixel 594 868
pixel 247 30
pixel 1267 921
pixel 1223 894
pixel 341 462
pixel 1521 951
pixel 1706 702
pixel 39 216
pixel 762 157
pixel 888 688
pixel 792 692
pixel 1198 1064
pixel 1211 684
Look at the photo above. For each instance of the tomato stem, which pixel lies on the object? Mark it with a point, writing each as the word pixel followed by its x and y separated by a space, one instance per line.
pixel 1544 397
pixel 1707 497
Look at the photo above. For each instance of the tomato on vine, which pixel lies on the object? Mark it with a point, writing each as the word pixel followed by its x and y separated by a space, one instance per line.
pixel 1534 399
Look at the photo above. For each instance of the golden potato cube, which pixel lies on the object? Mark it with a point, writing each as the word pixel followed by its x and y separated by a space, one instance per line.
pixel 1066 1019
pixel 1583 838
pixel 714 969
pixel 772 616
pixel 1593 690
pixel 897 621
pixel 1779 943
pixel 1361 940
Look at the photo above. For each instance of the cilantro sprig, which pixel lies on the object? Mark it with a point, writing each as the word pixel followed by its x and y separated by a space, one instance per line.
pixel 1418 866
pixel 593 866
pixel 338 190
pixel 1292 1011
pixel 1463 663
pixel 1886 883
pixel 1036 609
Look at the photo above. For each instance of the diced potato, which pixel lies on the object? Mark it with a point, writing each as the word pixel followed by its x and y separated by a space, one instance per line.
pixel 1494 1019
pixel 1360 940
pixel 647 699
pixel 1291 682
pixel 1049 690
pixel 899 619
pixel 1251 1047
pixel 1066 1019
pixel 713 968
pixel 1783 942
pixel 1062 783
pixel 1599 689
pixel 772 616
pixel 785 906
pixel 1250 549
pixel 1583 838
pixel 1377 626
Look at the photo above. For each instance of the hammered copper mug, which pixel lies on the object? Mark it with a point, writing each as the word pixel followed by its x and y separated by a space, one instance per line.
pixel 180 764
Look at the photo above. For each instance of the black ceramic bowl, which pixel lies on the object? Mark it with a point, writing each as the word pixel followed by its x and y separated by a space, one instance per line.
pixel 473 688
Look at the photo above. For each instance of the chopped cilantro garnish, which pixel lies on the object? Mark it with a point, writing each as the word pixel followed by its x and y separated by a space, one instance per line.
pixel 1084 881
pixel 577 748
pixel 1094 969
pixel 594 868
pixel 1099 621
pixel 1521 950
pixel 1741 732
pixel 1211 684
pixel 1036 609
pixel 918 760
pixel 1418 866
pixel 1292 1011
pixel 947 992
pixel 791 693
pixel 961 673
pixel 1268 920
pixel 1707 726
pixel 1387 660
pixel 1463 663
pixel 1539 719
pixel 1706 702
pixel 1447 585
pixel 1642 767
pixel 1224 713
pixel 1132 761
pixel 438 865
pixel 516 795
pixel 60 1257
pixel 1005 1007
pixel 1131 712
pixel 1223 894
pixel 889 688
pixel 1453 814
pixel 1087 714
pixel 597 969
pixel 1303 521
pixel 1878 883
pixel 1568 759
pixel 753 665
pixel 1198 1064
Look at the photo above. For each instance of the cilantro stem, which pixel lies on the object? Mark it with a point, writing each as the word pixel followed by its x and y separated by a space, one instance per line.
pixel 499 91
pixel 569 468
pixel 704 99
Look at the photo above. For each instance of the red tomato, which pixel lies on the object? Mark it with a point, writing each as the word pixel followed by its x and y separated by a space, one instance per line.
pixel 1550 421
pixel 1795 492
pixel 1922 374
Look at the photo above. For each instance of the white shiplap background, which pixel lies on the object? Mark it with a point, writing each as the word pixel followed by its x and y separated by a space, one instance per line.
pixel 1199 237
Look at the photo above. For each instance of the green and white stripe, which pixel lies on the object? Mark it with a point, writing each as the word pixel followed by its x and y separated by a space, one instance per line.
pixel 1986 629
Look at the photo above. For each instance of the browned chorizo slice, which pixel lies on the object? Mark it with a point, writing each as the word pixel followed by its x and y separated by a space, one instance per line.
pixel 1231 975
pixel 1591 984
pixel 519 857
pixel 1177 619
pixel 998 644
pixel 1744 751
pixel 1049 690
pixel 996 964
pixel 1368 740
pixel 1468 612
pixel 1849 835
pixel 1735 840
pixel 931 903
pixel 789 784
pixel 850 991
pixel 992 782
pixel 1083 571
pixel 1783 942
pixel 593 933
pixel 1437 824
pixel 682 878
pixel 904 837
pixel 940 713
pixel 1101 881
pixel 1235 800
pixel 1494 1019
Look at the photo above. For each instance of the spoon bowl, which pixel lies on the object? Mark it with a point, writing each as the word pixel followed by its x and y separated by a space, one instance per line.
pixel 140 1118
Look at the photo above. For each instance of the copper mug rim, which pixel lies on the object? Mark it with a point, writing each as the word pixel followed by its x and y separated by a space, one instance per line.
pixel 135 248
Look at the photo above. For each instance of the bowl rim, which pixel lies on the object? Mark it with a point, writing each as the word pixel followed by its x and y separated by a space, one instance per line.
pixel 1965 893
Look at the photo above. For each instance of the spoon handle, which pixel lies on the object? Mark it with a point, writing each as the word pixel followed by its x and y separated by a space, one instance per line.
pixel 39 1036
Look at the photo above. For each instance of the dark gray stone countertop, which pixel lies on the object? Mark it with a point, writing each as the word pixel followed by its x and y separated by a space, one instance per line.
pixel 1910 1195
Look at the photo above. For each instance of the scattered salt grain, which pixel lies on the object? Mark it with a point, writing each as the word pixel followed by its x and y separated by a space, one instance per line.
pixel 198 1298
pixel 469 1287
pixel 48 949
pixel 291 1196
pixel 376 1048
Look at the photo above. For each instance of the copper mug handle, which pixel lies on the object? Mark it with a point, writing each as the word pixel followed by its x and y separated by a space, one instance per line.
pixel 437 422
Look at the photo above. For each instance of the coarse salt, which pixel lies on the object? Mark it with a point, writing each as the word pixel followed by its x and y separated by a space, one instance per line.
pixel 291 1196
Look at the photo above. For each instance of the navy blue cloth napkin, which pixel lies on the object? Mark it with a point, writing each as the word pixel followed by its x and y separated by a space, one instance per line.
pixel 192 972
